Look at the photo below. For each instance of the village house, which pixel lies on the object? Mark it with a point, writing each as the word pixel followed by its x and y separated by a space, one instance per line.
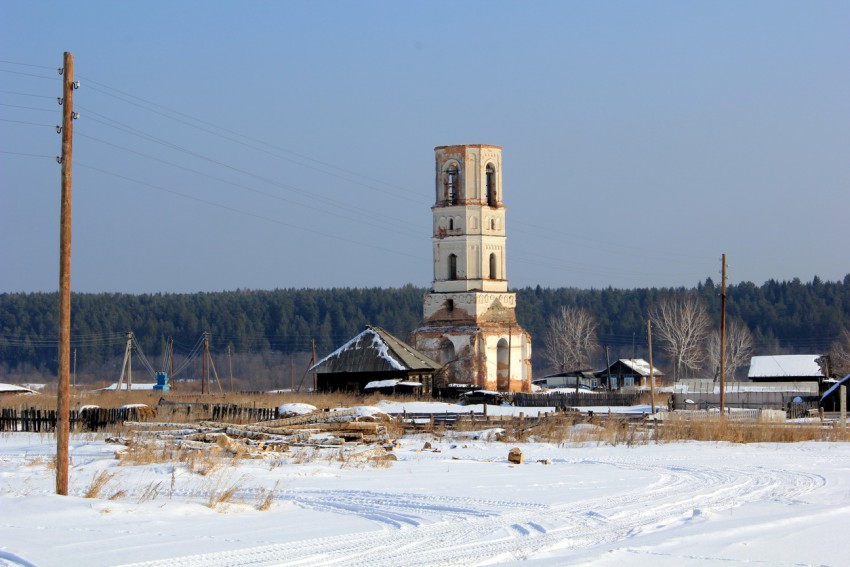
pixel 628 373
pixel 378 361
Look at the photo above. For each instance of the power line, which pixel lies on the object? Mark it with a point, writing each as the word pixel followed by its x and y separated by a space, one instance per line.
pixel 245 187
pixel 252 139
pixel 246 213
pixel 278 184
pixel 27 64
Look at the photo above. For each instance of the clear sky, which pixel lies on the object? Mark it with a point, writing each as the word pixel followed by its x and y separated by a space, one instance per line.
pixel 261 145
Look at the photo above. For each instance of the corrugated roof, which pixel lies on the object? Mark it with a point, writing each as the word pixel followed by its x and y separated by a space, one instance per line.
pixel 375 350
pixel 787 365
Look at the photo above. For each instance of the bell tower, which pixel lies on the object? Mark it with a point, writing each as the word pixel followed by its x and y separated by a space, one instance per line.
pixel 469 314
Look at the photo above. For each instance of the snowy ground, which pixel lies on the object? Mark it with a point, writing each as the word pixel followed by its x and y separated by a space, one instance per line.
pixel 682 504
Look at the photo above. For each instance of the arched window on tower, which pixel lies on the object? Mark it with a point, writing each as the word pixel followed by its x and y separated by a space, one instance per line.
pixel 452 185
pixel 452 266
pixel 493 272
pixel 451 223
pixel 490 185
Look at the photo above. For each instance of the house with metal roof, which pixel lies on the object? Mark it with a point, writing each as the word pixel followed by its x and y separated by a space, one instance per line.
pixel 786 368
pixel 379 360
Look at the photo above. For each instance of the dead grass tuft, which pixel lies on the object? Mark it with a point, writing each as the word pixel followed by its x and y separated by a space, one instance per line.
pixel 98 483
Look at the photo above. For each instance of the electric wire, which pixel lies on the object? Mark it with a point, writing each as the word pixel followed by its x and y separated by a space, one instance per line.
pixel 247 213
pixel 404 195
pixel 241 186
pixel 329 201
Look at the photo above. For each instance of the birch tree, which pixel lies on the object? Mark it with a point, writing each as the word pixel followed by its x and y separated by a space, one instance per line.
pixel 570 339
pixel 739 348
pixel 682 324
pixel 840 353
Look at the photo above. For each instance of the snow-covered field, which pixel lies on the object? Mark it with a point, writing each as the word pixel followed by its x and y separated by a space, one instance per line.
pixel 459 503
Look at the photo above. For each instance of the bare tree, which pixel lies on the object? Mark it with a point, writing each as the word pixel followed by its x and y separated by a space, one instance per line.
pixel 682 324
pixel 840 353
pixel 570 339
pixel 739 347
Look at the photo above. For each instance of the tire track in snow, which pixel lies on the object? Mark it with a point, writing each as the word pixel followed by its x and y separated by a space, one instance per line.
pixel 432 530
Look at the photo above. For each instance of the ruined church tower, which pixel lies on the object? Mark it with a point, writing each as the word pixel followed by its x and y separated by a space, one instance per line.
pixel 469 315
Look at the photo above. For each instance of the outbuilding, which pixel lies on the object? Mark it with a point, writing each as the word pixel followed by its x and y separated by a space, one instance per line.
pixel 377 358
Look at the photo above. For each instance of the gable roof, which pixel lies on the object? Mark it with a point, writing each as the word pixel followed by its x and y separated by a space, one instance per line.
pixel 784 366
pixel 639 366
pixel 375 350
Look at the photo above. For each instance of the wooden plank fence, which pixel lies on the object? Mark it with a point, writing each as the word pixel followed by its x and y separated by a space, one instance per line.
pixel 566 400
pixel 40 420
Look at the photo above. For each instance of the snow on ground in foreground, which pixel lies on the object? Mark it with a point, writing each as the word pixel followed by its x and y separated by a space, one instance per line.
pixel 681 504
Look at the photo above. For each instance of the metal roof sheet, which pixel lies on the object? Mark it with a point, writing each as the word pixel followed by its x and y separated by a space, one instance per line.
pixel 787 365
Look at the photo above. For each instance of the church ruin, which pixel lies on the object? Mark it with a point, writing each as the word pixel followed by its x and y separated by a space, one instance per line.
pixel 469 324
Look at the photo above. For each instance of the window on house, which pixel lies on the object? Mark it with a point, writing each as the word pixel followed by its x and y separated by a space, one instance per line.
pixel 490 183
pixel 452 267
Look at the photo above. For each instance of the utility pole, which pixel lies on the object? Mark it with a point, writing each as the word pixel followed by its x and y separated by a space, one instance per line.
pixel 171 359
pixel 313 362
pixel 723 340
pixel 608 367
pixel 63 397
pixel 651 374
pixel 75 369
pixel 230 362
pixel 204 365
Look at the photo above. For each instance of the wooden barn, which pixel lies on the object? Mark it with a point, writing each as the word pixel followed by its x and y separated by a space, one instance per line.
pixel 375 356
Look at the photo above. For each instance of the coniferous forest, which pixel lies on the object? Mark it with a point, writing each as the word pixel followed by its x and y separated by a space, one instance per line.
pixel 268 334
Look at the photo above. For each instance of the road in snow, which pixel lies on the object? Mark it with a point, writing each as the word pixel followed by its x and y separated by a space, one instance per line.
pixel 677 504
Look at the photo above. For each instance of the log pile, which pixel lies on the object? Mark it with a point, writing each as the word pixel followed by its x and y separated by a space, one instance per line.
pixel 321 429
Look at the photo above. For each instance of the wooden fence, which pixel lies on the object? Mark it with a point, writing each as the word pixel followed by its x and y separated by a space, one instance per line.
pixel 37 420
pixel 566 400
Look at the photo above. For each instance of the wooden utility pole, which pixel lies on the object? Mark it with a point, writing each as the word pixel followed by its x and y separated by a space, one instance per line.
pixel 313 362
pixel 204 365
pixel 723 340
pixel 171 361
pixel 651 373
pixel 230 363
pixel 608 367
pixel 64 399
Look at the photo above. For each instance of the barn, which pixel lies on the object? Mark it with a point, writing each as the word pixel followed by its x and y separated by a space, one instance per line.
pixel 375 357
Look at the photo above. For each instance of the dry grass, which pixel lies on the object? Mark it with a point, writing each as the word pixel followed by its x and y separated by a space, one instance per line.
pixel 267 498
pixel 98 483
pixel 223 491
pixel 718 428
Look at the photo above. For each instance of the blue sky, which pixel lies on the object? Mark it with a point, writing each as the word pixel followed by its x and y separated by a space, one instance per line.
pixel 226 145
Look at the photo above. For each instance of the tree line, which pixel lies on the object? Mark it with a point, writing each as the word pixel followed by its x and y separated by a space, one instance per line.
pixel 782 317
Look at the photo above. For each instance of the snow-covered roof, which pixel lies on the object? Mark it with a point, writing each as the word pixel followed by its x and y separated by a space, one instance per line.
pixel 785 366
pixel 12 389
pixel 844 381
pixel 375 350
pixel 640 366
pixel 377 384
pixel 135 386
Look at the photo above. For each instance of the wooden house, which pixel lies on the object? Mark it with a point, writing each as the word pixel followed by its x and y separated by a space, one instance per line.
pixel 375 358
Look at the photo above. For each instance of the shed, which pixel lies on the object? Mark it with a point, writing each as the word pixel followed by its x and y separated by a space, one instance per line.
pixel 374 356
pixel 13 390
